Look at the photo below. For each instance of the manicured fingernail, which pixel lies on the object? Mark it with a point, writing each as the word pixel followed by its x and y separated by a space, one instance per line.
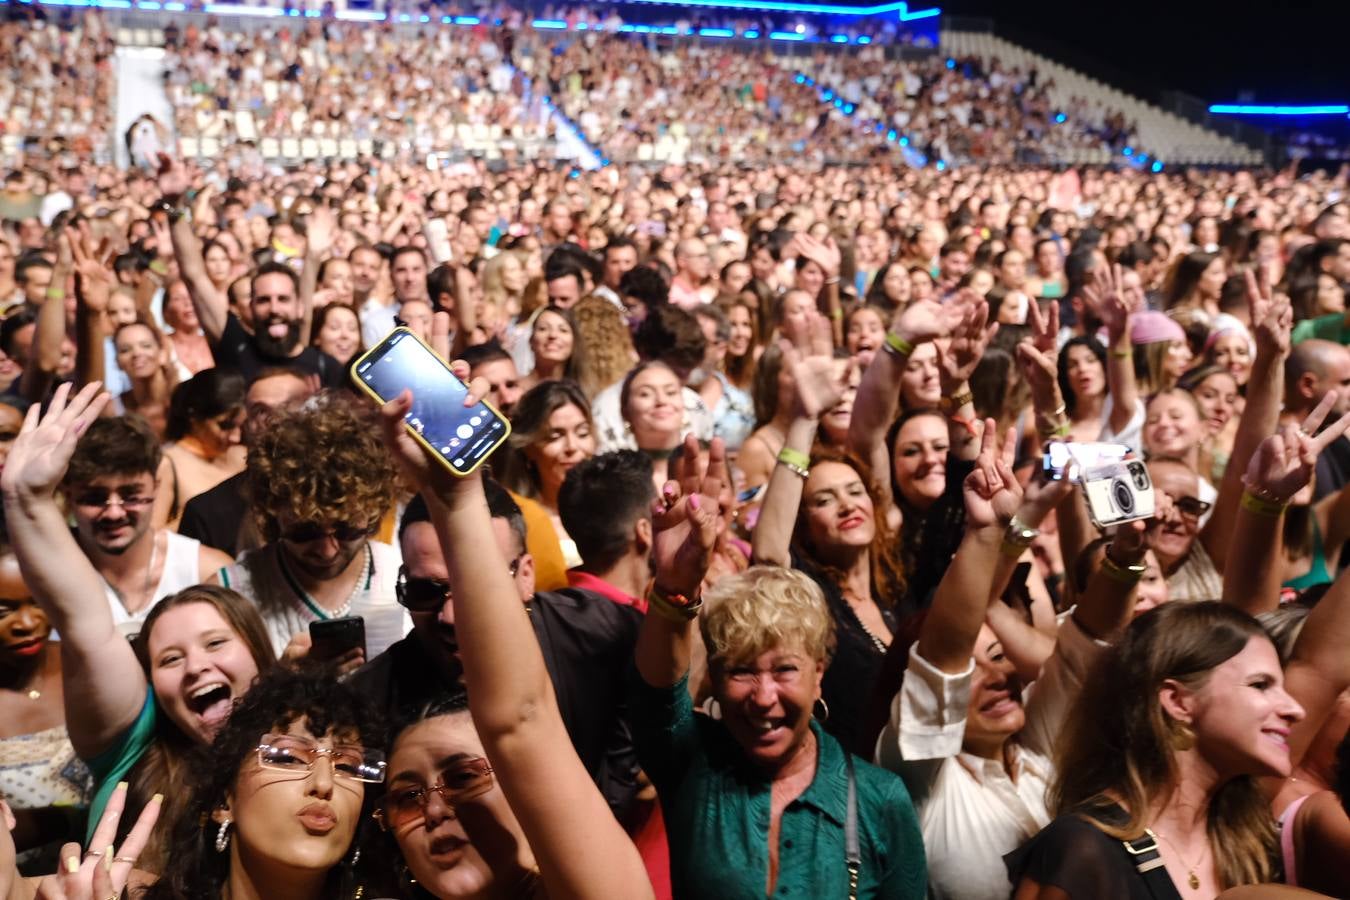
pixel 72 864
pixel 121 786
pixel 108 858
pixel 693 501
pixel 158 798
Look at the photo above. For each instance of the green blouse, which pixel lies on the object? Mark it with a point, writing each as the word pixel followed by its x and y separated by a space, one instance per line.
pixel 716 809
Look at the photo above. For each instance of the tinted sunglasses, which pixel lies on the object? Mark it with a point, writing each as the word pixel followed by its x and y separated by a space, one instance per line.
pixel 307 532
pixel 429 594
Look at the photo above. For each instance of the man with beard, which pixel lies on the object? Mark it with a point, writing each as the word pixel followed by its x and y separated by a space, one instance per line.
pixel 320 482
pixel 279 312
pixel 110 489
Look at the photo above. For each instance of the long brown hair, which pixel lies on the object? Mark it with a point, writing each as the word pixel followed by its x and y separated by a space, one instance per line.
pixel 887 570
pixel 163 769
pixel 1118 740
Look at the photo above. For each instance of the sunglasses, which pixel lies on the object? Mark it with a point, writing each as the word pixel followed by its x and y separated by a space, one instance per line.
pixel 296 754
pixel 1192 507
pixel 429 594
pixel 461 782
pixel 343 532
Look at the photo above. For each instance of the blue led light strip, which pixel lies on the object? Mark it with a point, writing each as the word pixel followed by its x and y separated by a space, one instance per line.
pixel 829 8
pixel 1242 109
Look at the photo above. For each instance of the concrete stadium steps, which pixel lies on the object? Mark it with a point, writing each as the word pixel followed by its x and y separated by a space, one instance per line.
pixel 1163 135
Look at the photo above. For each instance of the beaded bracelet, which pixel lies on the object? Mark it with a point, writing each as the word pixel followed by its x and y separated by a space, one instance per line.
pixel 898 345
pixel 795 461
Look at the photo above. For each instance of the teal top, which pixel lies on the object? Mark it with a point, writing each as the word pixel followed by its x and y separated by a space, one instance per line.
pixel 716 809
pixel 115 763
pixel 1331 327
pixel 1317 572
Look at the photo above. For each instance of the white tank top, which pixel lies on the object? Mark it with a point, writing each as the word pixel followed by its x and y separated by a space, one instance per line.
pixel 180 571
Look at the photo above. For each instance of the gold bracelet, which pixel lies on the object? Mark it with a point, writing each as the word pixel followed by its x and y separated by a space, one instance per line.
pixel 956 401
pixel 1258 506
pixel 1124 574
pixel 675 607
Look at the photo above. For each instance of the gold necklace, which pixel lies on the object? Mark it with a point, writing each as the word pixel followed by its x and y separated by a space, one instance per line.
pixel 1191 878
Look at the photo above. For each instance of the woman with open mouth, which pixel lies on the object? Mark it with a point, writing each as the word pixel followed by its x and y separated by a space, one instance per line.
pixel 275 806
pixel 135 711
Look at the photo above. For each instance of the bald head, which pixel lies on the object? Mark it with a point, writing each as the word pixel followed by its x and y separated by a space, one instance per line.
pixel 1313 368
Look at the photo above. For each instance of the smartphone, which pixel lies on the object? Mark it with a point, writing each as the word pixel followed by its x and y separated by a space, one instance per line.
pixel 332 638
pixel 1117 493
pixel 460 436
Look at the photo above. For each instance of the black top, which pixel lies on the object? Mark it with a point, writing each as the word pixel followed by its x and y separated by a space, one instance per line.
pixel 214 517
pixel 1085 863
pixel 853 670
pixel 587 642
pixel 930 537
pixel 1333 468
pixel 237 350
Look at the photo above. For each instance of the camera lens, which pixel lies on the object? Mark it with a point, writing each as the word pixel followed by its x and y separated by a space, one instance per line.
pixel 1123 496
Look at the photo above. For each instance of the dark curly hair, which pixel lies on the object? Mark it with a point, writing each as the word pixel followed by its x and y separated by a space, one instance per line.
pixel 322 462
pixel 195 871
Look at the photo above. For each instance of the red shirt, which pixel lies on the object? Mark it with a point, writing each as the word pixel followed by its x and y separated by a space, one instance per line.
pixel 588 582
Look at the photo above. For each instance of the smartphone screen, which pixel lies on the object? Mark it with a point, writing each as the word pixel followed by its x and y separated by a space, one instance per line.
pixel 333 637
pixel 462 435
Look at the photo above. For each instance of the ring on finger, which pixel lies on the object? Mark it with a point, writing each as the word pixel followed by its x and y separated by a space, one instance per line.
pixel 92 854
pixel 125 859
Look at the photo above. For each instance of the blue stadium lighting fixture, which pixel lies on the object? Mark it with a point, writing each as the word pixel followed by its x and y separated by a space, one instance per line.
pixel 549 24
pixel 1242 109
pixel 941 166
pixel 786 36
pixel 751 34
pixel 467 20
pixel 800 79
pixel 838 39
pixel 1128 151
pixel 1060 118
pixel 1157 166
pixel 827 96
pixel 864 39
pixel 828 8
pixel 951 63
pixel 723 33
pixel 890 135
pixel 904 142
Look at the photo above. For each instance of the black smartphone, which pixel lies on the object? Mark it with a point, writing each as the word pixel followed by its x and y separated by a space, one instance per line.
pixel 460 436
pixel 330 638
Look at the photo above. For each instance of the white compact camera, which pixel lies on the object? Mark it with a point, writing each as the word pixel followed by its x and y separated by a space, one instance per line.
pixel 1119 492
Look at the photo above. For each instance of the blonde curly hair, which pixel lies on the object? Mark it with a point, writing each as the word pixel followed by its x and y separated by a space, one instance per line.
pixel 609 345
pixel 765 608
pixel 322 462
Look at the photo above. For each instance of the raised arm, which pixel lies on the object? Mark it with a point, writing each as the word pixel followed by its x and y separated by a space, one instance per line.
pixel 878 400
pixel 815 389
pixel 1281 467
pixel 1115 304
pixel 957 361
pixel 581 849
pixel 48 336
pixel 992 497
pixel 1272 318
pixel 319 230
pixel 212 306
pixel 103 683
pixel 93 288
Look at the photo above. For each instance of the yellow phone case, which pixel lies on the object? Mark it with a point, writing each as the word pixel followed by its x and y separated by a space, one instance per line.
pixel 436 454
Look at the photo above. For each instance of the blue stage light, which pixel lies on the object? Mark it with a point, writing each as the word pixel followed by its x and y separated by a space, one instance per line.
pixel 1240 109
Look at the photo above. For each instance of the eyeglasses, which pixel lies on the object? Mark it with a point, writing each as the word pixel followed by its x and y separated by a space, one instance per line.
pixel 296 753
pixel 1191 507
pixel 464 781
pixel 429 594
pixel 101 498
pixel 343 532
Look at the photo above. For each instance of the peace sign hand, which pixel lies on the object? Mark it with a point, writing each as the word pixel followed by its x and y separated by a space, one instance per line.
pixel 992 492
pixel 1284 463
pixel 685 518
pixel 103 871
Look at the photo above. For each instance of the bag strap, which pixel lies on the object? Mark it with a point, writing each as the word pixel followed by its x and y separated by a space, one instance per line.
pixel 1148 862
pixel 852 850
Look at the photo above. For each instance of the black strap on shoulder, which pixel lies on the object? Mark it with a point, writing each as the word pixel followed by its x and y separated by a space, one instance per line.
pixel 1148 862
pixel 852 849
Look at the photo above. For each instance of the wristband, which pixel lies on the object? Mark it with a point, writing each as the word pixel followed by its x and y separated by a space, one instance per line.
pixel 1124 574
pixel 675 607
pixel 834 280
pixel 795 461
pixel 56 293
pixel 1121 354
pixel 967 424
pixel 159 267
pixel 1257 506
pixel 837 315
pixel 898 345
pixel 1062 430
pixel 956 401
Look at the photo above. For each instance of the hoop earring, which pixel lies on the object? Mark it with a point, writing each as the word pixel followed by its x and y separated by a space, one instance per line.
pixel 824 715
pixel 223 836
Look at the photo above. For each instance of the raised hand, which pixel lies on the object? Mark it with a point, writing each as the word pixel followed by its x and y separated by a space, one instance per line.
pixel 686 520
pixel 1044 328
pixel 94 281
pixel 1041 373
pixel 1284 463
pixel 927 320
pixel 1112 301
pixel 824 253
pixel 173 178
pixel 958 359
pixel 102 871
pixel 809 362
pixel 1271 315
pixel 39 456
pixel 414 460
pixel 992 492
pixel 320 228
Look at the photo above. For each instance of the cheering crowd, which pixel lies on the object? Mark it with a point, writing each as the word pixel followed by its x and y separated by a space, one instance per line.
pixel 772 590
